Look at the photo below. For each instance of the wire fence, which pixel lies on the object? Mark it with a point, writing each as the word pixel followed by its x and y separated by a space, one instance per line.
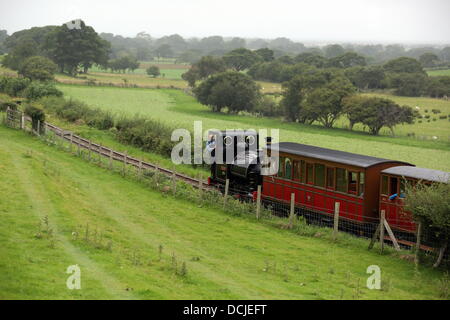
pixel 373 228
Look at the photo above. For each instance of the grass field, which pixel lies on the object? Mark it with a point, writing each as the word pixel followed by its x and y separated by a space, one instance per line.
pixel 177 108
pixel 444 72
pixel 147 233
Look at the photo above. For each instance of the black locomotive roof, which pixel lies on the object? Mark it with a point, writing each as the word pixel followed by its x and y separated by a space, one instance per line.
pixel 419 173
pixel 348 158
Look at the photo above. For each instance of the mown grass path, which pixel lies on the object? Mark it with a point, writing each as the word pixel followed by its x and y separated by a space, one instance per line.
pixel 152 235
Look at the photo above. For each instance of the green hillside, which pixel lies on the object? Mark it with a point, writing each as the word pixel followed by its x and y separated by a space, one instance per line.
pixel 130 242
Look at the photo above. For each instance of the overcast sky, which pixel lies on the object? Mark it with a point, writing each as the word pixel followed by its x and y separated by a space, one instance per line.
pixel 368 21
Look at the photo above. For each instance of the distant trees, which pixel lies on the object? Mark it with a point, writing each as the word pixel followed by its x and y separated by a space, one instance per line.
pixel 334 50
pixel 38 68
pixel 429 59
pixel 205 67
pixel 241 59
pixel 123 64
pixel 347 60
pixel 375 113
pixel 230 89
pixel 403 65
pixel 153 71
pixel 315 95
pixel 74 47
pixel 325 104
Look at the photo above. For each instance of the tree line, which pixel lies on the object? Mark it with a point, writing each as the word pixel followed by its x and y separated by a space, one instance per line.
pixel 311 94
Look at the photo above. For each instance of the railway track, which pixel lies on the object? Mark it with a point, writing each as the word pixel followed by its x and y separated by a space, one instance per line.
pixel 114 155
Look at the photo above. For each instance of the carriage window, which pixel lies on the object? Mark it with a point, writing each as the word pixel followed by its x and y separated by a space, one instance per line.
pixel 303 171
pixel 341 180
pixel 384 185
pixel 393 185
pixel 281 167
pixel 330 177
pixel 309 173
pixel 319 175
pixel 288 169
pixel 361 183
pixel 352 181
pixel 296 170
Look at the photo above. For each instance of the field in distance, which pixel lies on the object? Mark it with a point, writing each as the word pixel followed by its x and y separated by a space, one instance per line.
pixel 441 72
pixel 129 240
pixel 178 109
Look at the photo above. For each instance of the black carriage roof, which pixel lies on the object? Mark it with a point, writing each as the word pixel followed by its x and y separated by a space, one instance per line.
pixel 419 173
pixel 348 158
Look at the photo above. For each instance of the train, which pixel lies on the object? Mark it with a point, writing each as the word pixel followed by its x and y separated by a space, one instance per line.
pixel 319 177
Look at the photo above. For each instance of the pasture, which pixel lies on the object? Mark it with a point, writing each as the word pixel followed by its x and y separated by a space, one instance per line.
pixel 179 109
pixel 442 72
pixel 130 241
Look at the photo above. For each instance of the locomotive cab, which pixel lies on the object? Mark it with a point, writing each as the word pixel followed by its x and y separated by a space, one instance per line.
pixel 235 156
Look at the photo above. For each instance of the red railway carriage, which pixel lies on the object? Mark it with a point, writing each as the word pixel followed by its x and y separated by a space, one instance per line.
pixel 320 177
pixel 392 192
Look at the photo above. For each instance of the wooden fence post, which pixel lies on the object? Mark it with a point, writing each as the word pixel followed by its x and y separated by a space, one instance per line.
pixel 110 159
pixel 174 183
pixel 391 235
pixel 22 121
pixel 336 220
pixel 417 249
pixel 382 230
pixel 225 196
pixel 258 202
pixel 292 210
pixel 90 147
pixel 124 162
pixel 140 169
pixel 374 237
pixel 71 142
pixel 38 128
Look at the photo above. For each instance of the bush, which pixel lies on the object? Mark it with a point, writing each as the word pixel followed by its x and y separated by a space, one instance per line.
pixel 13 86
pixel 268 107
pixel 37 116
pixel 37 90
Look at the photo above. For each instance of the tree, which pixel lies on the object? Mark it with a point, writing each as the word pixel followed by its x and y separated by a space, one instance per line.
pixel 347 60
pixel 266 54
pixel 73 47
pixel 333 50
pixel 241 59
pixel 372 77
pixel 428 59
pixel 376 113
pixel 3 37
pixel 438 87
pixel 205 67
pixel 403 65
pixel 164 51
pixel 408 84
pixel 430 206
pixel 124 63
pixel 312 59
pixel 38 68
pixel 325 104
pixel 22 51
pixel 231 89
pixel 153 71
